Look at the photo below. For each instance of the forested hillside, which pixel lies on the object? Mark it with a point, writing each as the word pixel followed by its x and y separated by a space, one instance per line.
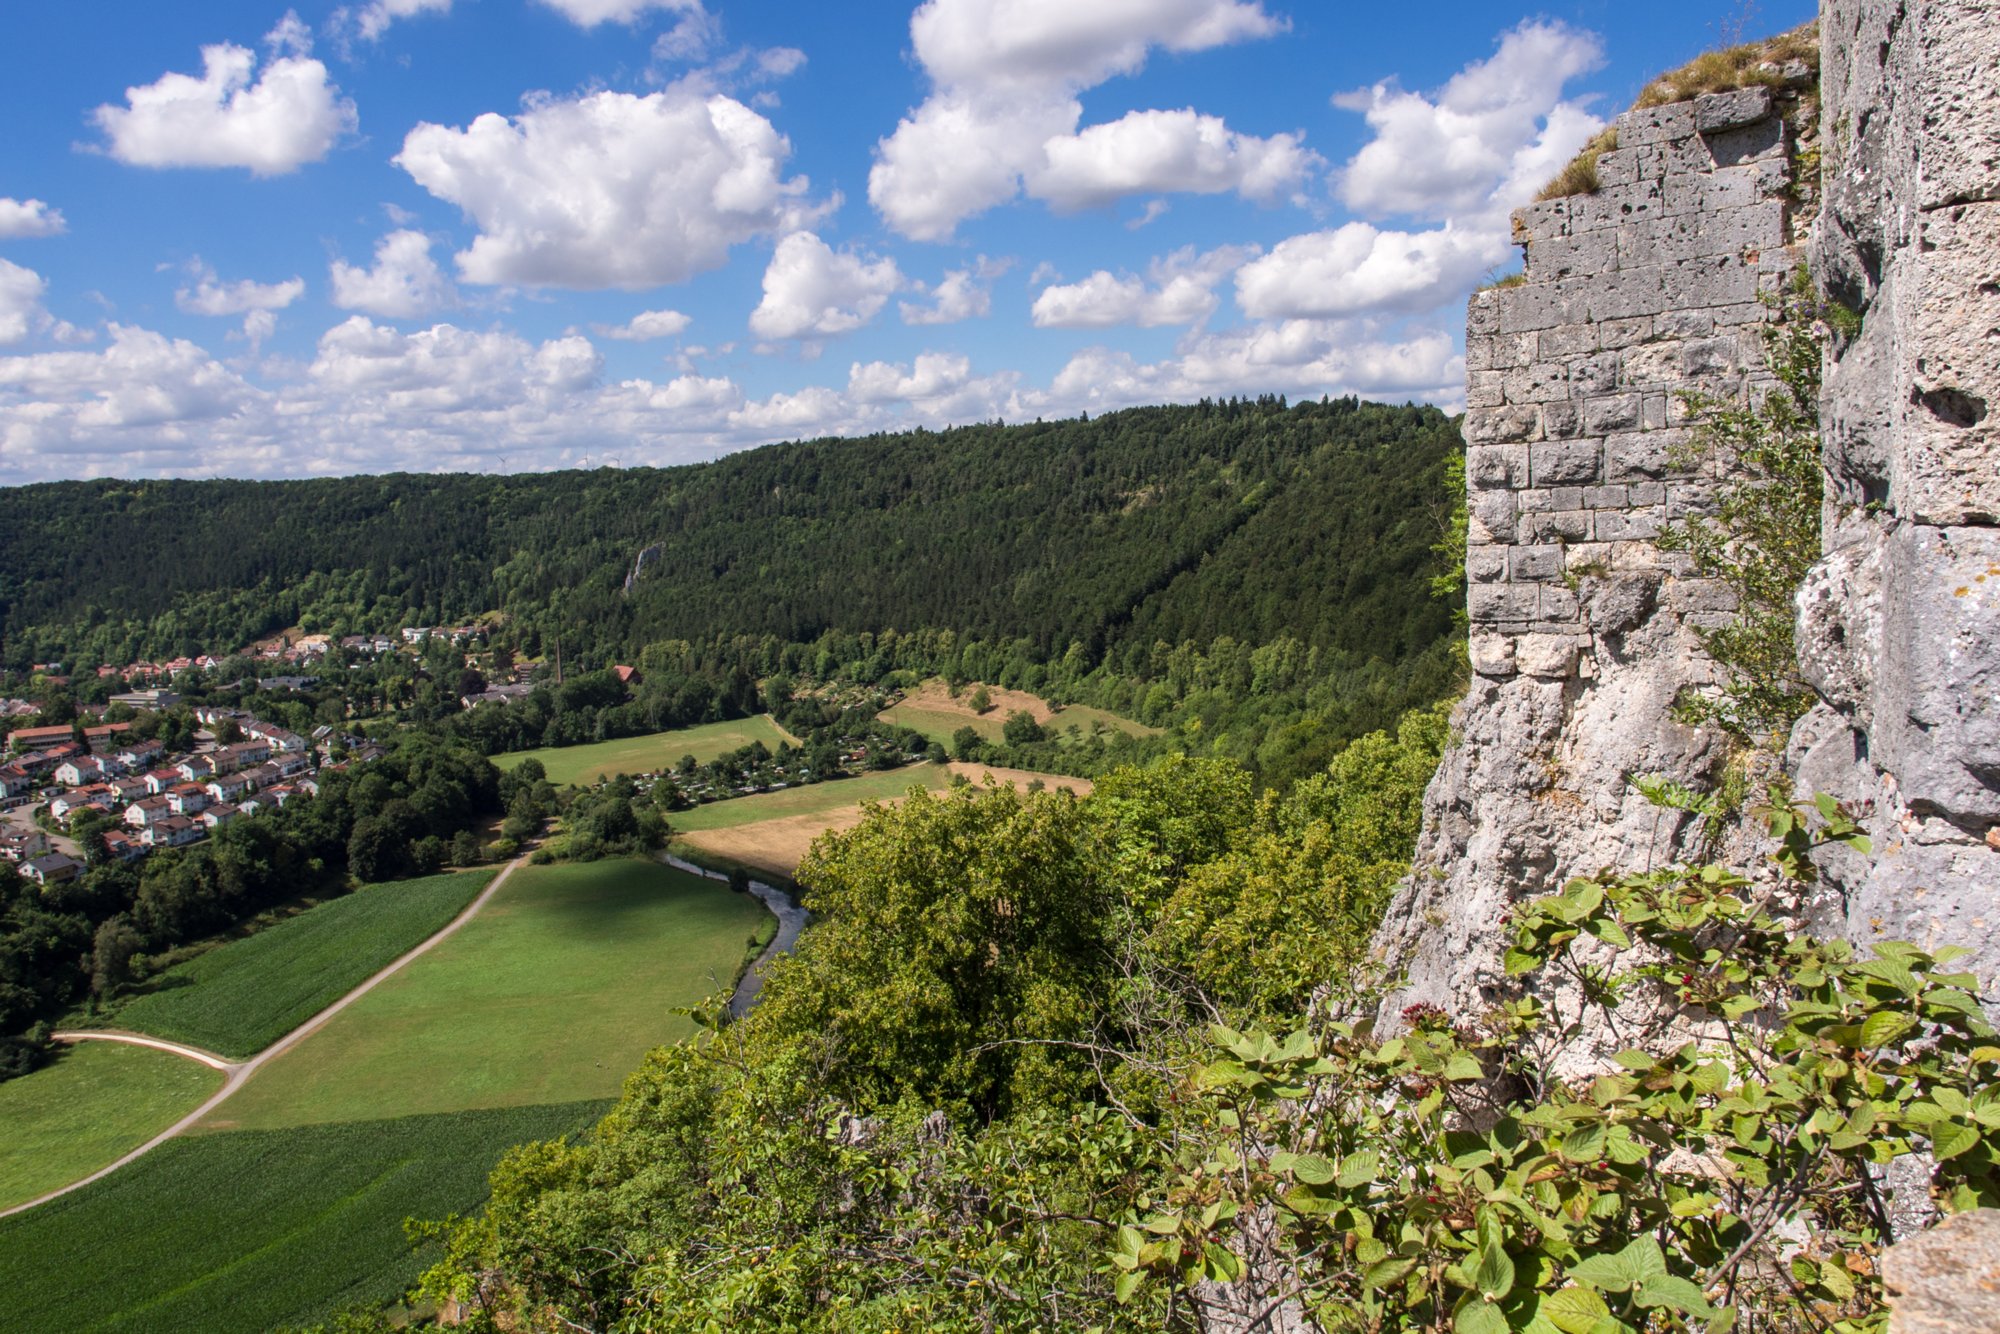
pixel 1244 519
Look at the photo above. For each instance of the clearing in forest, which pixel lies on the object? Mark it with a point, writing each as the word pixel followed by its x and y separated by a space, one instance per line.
pixel 240 997
pixel 584 765
pixel 96 1102
pixel 771 831
pixel 550 995
pixel 256 1230
pixel 932 710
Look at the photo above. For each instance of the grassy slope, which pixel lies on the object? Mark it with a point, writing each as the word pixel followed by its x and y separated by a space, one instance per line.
pixel 244 1232
pixel 810 799
pixel 99 1100
pixel 240 997
pixel 932 710
pixel 551 994
pixel 644 754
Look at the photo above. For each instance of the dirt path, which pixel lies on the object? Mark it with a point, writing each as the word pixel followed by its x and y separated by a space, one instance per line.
pixel 238 1073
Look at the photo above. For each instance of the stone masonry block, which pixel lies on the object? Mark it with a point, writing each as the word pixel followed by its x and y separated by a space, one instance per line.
pixel 1491 466
pixel 1959 91
pixel 1499 352
pixel 1726 111
pixel 1699 283
pixel 1703 235
pixel 1540 500
pixel 1612 412
pixel 1492 654
pixel 1592 376
pixel 1685 324
pixel 1499 604
pixel 1646 493
pixel 1566 341
pixel 1563 462
pixel 1620 206
pixel 1556 526
pixel 1486 565
pixel 1629 525
pixel 1623 295
pixel 1497 426
pixel 1724 188
pixel 1485 389
pixel 1653 411
pixel 1613 334
pixel 1530 307
pixel 1549 656
pixel 1639 456
pixel 1748 143
pixel 1491 517
pixel 1558 604
pixel 1534 564
pixel 1652 125
pixel 1652 364
pixel 1543 382
pixel 1560 421
pixel 1564 256
pixel 1538 222
pixel 1607 497
pixel 1711 356
pixel 1482 314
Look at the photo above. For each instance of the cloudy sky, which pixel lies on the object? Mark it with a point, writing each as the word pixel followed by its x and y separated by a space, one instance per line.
pixel 503 235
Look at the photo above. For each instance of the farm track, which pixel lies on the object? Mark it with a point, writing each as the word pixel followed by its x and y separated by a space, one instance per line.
pixel 238 1073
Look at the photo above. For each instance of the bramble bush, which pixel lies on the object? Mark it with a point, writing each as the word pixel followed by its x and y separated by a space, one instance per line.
pixel 1729 1177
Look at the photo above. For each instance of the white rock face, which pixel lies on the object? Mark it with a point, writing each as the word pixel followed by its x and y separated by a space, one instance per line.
pixel 1900 624
pixel 1582 630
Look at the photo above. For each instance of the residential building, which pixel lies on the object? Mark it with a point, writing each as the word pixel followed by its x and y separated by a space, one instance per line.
pixel 52 869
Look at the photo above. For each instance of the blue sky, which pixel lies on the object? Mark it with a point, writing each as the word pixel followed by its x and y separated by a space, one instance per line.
pixel 504 235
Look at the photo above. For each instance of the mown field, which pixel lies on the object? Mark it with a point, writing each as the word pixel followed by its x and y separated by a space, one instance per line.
pixel 645 754
pixel 771 831
pixel 97 1101
pixel 551 994
pixel 254 1230
pixel 239 998
pixel 932 710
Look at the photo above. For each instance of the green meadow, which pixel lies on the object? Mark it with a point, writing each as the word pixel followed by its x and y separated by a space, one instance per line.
pixel 240 997
pixel 551 994
pixel 97 1101
pixel 811 799
pixel 258 1229
pixel 645 754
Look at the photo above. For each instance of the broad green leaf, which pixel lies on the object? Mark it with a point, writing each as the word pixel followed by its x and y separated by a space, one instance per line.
pixel 1679 1293
pixel 1313 1169
pixel 1494 1274
pixel 1462 1067
pixel 1478 1316
pixel 1358 1169
pixel 1884 1027
pixel 1951 1138
pixel 1575 1310
pixel 1585 1144
pixel 1388 1272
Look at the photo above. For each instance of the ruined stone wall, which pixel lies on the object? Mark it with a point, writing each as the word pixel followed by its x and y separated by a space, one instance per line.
pixel 1582 629
pixel 1900 623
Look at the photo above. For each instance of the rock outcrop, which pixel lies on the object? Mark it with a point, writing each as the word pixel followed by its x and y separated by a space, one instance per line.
pixel 1900 623
pixel 1583 631
pixel 1946 1280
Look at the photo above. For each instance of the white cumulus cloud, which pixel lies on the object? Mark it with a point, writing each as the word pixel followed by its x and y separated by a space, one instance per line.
pixel 24 218
pixel 962 294
pixel 812 290
pixel 1357 268
pixel 373 19
pixel 1003 113
pixel 271 121
pixel 645 326
pixel 609 190
pixel 590 13
pixel 404 283
pixel 1181 291
pixel 1149 152
pixel 1493 134
pixel 20 301
pixel 210 295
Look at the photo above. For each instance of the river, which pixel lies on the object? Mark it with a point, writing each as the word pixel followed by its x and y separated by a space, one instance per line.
pixel 791 920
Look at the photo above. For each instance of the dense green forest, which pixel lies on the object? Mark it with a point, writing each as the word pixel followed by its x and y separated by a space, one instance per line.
pixel 1246 519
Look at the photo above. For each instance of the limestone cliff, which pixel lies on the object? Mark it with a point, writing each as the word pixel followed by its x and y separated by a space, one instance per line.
pixel 1583 630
